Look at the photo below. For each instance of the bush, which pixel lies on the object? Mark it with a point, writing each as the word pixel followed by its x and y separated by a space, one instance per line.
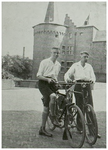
pixel 17 66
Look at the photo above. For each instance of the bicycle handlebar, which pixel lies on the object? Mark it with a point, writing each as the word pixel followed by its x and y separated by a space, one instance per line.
pixel 82 82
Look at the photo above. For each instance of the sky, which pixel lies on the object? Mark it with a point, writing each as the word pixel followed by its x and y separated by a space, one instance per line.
pixel 18 18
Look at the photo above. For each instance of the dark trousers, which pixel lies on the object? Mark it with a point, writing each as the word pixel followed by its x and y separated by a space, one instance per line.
pixel 79 98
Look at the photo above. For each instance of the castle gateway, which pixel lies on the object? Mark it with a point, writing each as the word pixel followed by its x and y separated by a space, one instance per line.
pixel 71 40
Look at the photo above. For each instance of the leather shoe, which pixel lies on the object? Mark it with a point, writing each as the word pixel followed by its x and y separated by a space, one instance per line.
pixel 98 136
pixel 42 131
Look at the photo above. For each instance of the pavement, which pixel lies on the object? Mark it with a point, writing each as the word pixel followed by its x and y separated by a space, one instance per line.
pixel 23 99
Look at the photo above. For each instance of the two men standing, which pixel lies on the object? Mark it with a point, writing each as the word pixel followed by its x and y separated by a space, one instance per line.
pixel 49 70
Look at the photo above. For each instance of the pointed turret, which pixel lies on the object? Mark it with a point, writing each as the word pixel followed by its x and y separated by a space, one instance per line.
pixel 50 13
pixel 87 20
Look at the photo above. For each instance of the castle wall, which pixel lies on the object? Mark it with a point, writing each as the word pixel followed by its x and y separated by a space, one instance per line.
pixel 83 40
pixel 99 57
pixel 67 49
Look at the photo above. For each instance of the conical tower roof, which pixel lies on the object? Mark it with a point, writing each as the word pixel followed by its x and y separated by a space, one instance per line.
pixel 52 15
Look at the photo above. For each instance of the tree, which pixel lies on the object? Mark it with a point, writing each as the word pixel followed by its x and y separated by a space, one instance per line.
pixel 17 66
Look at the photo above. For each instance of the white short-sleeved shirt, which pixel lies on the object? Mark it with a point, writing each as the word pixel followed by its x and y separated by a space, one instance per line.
pixel 49 69
pixel 80 73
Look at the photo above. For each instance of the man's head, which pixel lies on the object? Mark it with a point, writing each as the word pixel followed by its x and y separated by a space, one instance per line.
pixel 84 56
pixel 55 51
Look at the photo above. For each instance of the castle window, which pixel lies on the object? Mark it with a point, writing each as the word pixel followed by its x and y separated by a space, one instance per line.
pixel 62 63
pixel 67 68
pixel 70 50
pixel 63 47
pixel 70 47
pixel 63 50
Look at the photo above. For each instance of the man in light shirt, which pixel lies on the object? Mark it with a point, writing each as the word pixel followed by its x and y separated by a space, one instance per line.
pixel 48 71
pixel 80 72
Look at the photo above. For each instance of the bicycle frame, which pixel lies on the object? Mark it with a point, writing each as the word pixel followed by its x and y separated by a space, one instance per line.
pixel 64 111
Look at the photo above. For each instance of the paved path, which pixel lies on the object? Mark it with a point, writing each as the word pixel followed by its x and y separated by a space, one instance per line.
pixel 29 98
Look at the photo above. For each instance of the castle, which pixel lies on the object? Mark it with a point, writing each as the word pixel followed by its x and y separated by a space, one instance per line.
pixel 71 40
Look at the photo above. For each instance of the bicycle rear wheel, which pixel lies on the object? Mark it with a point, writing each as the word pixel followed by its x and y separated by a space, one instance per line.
pixel 75 127
pixel 91 125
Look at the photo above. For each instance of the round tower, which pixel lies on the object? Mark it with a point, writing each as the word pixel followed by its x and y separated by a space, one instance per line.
pixel 46 35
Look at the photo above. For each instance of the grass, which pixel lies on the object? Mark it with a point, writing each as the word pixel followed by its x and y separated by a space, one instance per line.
pixel 20 130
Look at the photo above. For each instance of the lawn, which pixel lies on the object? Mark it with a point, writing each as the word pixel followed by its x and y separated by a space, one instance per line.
pixel 20 130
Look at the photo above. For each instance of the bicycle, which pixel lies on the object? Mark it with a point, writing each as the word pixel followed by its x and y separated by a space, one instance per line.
pixel 67 113
pixel 89 115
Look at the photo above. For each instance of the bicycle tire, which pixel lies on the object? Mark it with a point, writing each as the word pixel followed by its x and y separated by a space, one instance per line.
pixel 91 125
pixel 75 135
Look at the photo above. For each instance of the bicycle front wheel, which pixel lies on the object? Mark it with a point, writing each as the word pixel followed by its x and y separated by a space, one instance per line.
pixel 75 127
pixel 91 125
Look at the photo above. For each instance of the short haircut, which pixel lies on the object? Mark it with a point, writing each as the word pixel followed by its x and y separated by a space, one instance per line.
pixel 84 52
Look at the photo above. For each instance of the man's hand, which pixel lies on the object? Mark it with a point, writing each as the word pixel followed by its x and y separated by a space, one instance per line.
pixel 68 80
pixel 49 80
pixel 91 82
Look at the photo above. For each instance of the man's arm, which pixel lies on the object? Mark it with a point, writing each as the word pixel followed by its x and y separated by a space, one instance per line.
pixel 68 75
pixel 44 78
